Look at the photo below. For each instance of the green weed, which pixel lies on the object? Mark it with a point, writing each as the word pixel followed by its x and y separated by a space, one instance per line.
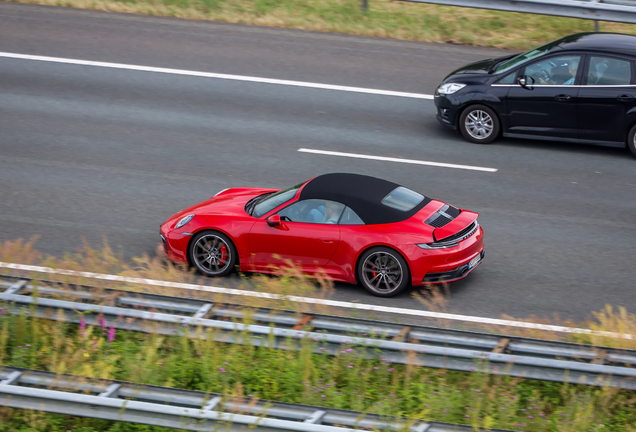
pixel 347 381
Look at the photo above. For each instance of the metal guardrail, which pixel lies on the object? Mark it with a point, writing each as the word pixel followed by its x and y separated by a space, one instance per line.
pixel 425 346
pixel 186 409
pixel 601 10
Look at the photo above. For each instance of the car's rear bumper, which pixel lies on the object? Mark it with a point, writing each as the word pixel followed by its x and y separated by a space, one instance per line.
pixel 454 274
pixel 445 265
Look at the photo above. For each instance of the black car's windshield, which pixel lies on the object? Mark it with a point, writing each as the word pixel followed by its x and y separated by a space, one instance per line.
pixel 272 201
pixel 522 58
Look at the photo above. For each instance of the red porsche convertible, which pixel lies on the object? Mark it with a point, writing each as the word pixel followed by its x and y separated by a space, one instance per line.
pixel 355 228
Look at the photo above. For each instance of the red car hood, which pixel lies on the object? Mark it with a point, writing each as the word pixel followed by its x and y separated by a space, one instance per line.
pixel 229 202
pixel 416 225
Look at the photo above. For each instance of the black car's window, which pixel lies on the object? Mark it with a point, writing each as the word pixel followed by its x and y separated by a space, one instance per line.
pixel 607 71
pixel 313 211
pixel 271 202
pixel 508 79
pixel 349 217
pixel 402 199
pixel 554 70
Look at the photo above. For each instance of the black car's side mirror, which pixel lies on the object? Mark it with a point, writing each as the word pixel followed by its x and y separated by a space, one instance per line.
pixel 526 81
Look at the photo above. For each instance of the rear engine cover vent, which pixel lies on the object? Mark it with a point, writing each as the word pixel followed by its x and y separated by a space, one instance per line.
pixel 443 216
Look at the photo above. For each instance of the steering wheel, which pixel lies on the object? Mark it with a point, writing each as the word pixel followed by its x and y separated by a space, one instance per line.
pixel 545 76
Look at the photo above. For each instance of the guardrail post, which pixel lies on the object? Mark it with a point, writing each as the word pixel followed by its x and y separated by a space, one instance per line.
pixel 212 403
pixel 16 287
pixel 111 391
pixel 315 417
pixel 202 312
pixel 423 427
pixel 365 6
pixel 12 378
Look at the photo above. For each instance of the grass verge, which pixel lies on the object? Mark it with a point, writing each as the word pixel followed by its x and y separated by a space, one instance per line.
pixel 385 18
pixel 346 381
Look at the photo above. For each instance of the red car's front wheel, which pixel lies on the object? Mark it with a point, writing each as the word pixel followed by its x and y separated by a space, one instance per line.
pixel 383 272
pixel 213 253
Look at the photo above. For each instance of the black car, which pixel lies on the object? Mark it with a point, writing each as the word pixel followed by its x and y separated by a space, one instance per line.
pixel 581 88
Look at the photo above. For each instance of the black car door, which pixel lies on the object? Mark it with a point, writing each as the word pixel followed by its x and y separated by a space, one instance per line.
pixel 547 105
pixel 605 98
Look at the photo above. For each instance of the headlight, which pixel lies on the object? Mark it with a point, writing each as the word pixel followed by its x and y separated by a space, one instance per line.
pixel 437 245
pixel 183 221
pixel 450 88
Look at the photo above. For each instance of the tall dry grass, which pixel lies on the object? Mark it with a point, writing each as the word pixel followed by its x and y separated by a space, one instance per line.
pixel 437 298
pixel 286 281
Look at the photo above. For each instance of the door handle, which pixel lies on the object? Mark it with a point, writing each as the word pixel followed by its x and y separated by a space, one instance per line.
pixel 328 240
pixel 625 98
pixel 563 97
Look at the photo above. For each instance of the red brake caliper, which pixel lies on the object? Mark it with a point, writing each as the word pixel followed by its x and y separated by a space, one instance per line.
pixel 223 255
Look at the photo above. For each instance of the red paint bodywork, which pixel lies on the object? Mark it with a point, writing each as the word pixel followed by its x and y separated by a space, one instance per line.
pixel 328 248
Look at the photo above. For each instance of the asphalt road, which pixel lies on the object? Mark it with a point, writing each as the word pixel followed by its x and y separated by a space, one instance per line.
pixel 91 151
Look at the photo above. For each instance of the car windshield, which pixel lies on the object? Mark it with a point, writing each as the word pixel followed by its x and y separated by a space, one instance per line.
pixel 522 58
pixel 274 200
pixel 402 198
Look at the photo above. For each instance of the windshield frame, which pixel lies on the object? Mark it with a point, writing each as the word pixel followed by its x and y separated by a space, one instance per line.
pixel 276 200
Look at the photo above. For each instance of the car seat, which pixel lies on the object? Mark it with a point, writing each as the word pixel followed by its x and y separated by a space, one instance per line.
pixel 316 215
pixel 619 74
pixel 598 67
pixel 561 74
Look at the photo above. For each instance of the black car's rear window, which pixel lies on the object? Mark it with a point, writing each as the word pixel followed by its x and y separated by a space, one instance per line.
pixel 402 198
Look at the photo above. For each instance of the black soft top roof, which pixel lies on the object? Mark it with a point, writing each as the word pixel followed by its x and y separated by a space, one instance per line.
pixel 363 194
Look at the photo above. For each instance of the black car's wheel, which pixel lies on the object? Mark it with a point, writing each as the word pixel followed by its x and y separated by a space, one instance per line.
pixel 479 124
pixel 383 272
pixel 213 253
pixel 631 140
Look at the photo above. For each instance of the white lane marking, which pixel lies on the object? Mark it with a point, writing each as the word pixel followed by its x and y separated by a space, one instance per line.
pixel 334 303
pixel 216 75
pixel 392 159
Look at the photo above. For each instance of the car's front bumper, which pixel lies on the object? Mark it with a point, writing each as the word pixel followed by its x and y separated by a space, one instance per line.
pixel 446 111
pixel 174 244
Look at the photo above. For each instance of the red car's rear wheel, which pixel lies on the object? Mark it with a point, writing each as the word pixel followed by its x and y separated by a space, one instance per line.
pixel 213 253
pixel 383 272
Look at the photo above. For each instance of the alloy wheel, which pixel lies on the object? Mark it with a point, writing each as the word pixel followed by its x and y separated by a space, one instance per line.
pixel 479 124
pixel 211 254
pixel 382 272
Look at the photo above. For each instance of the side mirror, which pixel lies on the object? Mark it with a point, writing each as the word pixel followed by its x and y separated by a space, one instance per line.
pixel 526 81
pixel 273 220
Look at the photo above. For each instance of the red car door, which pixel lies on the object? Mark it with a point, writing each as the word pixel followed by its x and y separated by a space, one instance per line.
pixel 308 244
